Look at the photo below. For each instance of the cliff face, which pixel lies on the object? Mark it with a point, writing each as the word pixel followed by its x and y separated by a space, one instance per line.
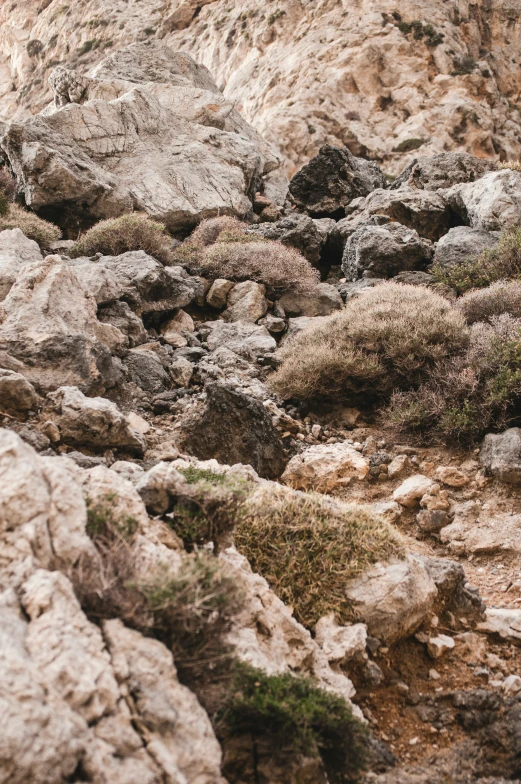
pixel 383 78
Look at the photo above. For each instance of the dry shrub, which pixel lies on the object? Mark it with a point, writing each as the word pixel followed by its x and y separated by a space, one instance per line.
pixel 209 230
pixel 483 304
pixel 7 183
pixel 386 339
pixel 135 231
pixel 514 165
pixel 33 227
pixel 468 395
pixel 502 262
pixel 278 267
pixel 4 204
pixel 308 546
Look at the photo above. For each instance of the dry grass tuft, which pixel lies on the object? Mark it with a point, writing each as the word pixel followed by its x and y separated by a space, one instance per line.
pixel 7 183
pixel 135 231
pixel 33 227
pixel 514 165
pixel 384 340
pixel 209 230
pixel 483 304
pixel 308 546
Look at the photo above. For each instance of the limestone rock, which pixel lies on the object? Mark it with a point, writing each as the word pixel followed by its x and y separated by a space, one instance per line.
pixel 430 172
pixel 233 428
pixel 324 467
pixel 246 302
pixel 500 455
pixel 146 369
pixel 323 300
pixel 245 339
pixel 297 231
pixel 172 146
pixel 15 251
pixel 432 520
pixel 91 422
pixel 120 316
pixel 451 476
pixel 485 534
pixel 504 623
pixel 384 251
pixel 491 203
pixel 424 211
pixel 393 599
pixel 397 466
pixel 341 644
pixel 218 293
pixel 462 243
pixel 181 371
pixel 17 395
pixel 173 330
pixel 411 491
pixel 437 646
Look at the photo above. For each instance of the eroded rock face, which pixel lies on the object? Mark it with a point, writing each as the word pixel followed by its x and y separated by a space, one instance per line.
pixel 491 203
pixel 15 251
pixel 462 243
pixel 384 251
pixel 171 144
pixel 443 170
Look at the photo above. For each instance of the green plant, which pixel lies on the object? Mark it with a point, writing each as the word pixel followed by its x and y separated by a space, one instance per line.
pixel 499 263
pixel 193 474
pixel 308 546
pixel 134 231
pixel 470 394
pixel 104 519
pixel 463 65
pixel 295 714
pixel 384 340
pixel 420 30
pixel 408 145
pixel 272 18
pixel 33 227
pixel 88 46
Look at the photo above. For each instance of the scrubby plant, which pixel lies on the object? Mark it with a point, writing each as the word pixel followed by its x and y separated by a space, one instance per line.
pixel 386 339
pixel 514 165
pixel 35 228
pixel 208 231
pixel 280 268
pixel 483 304
pixel 296 715
pixel 7 183
pixel 104 519
pixel 499 263
pixel 308 546
pixel 470 394
pixel 134 231
pixel 4 204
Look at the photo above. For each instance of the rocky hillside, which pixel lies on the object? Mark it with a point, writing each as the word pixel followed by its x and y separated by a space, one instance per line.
pixel 383 78
pixel 260 454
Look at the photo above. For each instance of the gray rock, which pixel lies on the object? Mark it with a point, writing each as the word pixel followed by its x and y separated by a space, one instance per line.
pixel 123 318
pixel 321 301
pixel 414 278
pixel 430 172
pixel 356 288
pixel 384 251
pixel 422 210
pixel 432 520
pixel 462 243
pixel 17 395
pixel 325 185
pixel 145 368
pixel 298 231
pixel 500 455
pixel 247 340
pixel 246 302
pixel 233 428
pixel 16 250
pixel 491 203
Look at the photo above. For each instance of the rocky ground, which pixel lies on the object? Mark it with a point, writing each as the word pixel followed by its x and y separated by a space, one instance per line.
pixel 144 444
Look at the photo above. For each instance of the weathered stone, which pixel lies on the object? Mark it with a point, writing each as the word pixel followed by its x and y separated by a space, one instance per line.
pixel 181 371
pixel 443 170
pixel 246 302
pixel 397 466
pixel 298 325
pixel 174 329
pixel 245 339
pixel 273 324
pixel 17 395
pixel 15 251
pixel 218 293
pixel 430 521
pixel 323 300
pixel 462 243
pixel 145 368
pixel 451 476
pixel 411 491
pixel 326 185
pixel 504 623
pixel 233 428
pixel 491 203
pixel 325 467
pixel 483 534
pixel 384 251
pixel 91 422
pixel 424 211
pixel 437 646
pixel 341 644
pixel 500 455
pixel 297 231
pixel 119 315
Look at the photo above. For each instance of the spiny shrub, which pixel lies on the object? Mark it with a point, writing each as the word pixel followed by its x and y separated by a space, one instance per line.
pixel 278 267
pixel 209 230
pixel 470 394
pixel 135 231
pixel 7 183
pixel 499 263
pixel 308 546
pixel 33 227
pixel 298 716
pixel 483 304
pixel 384 340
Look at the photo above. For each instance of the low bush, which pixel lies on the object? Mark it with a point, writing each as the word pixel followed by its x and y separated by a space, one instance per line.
pixel 33 227
pixel 297 716
pixel 7 183
pixel 209 230
pixel 4 204
pixel 280 268
pixel 308 546
pixel 500 263
pixel 514 165
pixel 468 395
pixel 384 340
pixel 135 231
pixel 483 304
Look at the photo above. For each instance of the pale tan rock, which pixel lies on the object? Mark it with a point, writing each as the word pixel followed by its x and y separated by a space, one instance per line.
pixel 244 338
pixel 246 302
pixel 451 476
pixel 181 371
pixel 323 300
pixel 411 491
pixel 397 466
pixel 109 488
pixel 435 499
pixel 16 250
pixel 504 623
pixel 482 534
pixel 173 329
pixel 218 292
pixel 471 647
pixel 17 395
pixel 389 510
pixel 341 644
pixel 439 645
pixel 325 466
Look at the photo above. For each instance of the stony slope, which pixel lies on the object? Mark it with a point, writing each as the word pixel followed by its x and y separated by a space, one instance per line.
pixel 305 73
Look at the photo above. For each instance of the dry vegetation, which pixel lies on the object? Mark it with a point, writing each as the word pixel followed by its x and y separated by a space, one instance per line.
pixel 209 230
pixel 135 231
pixel 385 340
pixel 33 227
pixel 7 183
pixel 483 304
pixel 308 546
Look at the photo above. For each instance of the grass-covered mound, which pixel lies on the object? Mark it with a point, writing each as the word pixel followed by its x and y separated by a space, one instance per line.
pixel 135 231
pixel 12 216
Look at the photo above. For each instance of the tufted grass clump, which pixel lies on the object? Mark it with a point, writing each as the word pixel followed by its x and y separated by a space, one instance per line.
pixel 308 546
pixel 35 228
pixel 134 231
pixel 385 340
pixel 468 395
pixel 298 716
pixel 503 262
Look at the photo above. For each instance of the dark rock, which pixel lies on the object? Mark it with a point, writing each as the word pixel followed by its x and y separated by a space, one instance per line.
pixel 86 461
pixel 349 291
pixel 384 251
pixel 453 592
pixel 462 243
pixel 192 353
pixel 443 170
pixel 325 185
pixel 297 231
pixel 234 428
pixel 121 316
pixel 500 455
pixel 145 369
pixel 432 520
pixel 37 440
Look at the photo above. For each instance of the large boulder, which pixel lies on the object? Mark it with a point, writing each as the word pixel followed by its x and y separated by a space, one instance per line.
pixel 500 455
pixel 462 243
pixel 430 172
pixel 149 130
pixel 322 300
pixel 326 185
pixel 233 428
pixel 491 203
pixel 297 231
pixel 16 250
pixel 384 251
